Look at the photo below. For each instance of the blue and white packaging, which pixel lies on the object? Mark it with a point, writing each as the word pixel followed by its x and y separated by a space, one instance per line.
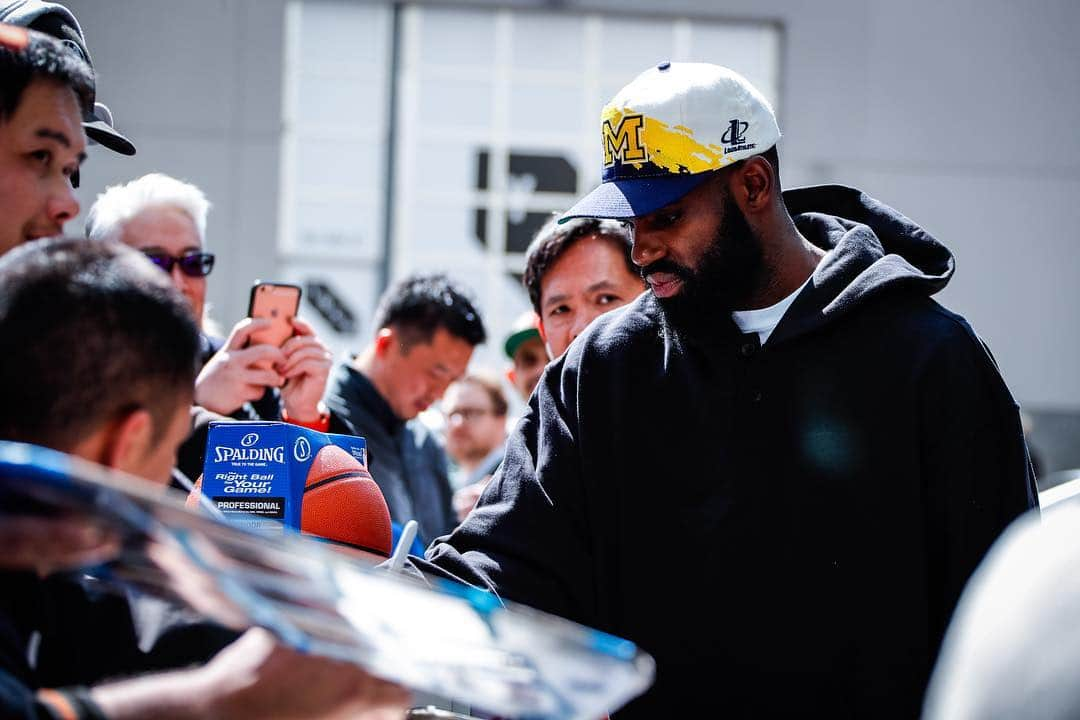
pixel 255 472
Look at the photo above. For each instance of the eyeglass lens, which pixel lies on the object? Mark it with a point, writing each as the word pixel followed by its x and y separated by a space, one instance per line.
pixel 195 264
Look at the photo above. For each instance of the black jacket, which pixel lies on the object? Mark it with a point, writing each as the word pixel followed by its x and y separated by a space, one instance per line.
pixel 406 461
pixel 67 630
pixel 787 528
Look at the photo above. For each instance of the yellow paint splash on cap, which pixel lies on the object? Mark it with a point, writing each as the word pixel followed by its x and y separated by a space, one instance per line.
pixel 672 148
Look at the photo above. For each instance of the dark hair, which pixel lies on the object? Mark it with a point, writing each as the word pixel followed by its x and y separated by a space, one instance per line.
pixel 420 304
pixel 43 58
pixel 553 240
pixel 92 330
pixel 494 391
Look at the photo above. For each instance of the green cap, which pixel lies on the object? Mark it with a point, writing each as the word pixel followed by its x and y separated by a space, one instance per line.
pixel 523 329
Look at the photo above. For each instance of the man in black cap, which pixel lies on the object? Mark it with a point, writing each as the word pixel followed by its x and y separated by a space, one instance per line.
pixel 44 91
pixel 56 20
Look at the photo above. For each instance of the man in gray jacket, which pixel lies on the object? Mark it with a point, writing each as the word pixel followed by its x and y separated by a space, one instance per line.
pixel 426 329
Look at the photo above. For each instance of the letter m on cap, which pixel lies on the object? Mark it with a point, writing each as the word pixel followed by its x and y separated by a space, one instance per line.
pixel 622 143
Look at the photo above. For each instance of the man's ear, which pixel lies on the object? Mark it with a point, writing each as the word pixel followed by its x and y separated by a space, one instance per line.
pixel 127 441
pixel 511 376
pixel 384 341
pixel 753 185
pixel 543 335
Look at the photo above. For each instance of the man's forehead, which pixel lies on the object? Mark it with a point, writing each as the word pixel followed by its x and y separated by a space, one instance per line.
pixel 444 350
pixel 50 110
pixel 589 264
pixel 467 393
pixel 446 341
pixel 162 227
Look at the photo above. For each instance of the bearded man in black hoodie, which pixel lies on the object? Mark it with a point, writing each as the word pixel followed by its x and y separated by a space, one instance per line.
pixel 775 471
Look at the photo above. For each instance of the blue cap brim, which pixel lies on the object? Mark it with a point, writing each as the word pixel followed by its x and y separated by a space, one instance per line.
pixel 633 197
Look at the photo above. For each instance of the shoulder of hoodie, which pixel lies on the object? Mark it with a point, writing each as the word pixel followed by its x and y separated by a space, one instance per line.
pixel 948 335
pixel 609 340
pixel 613 334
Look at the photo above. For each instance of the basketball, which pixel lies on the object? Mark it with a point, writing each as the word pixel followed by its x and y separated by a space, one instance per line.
pixel 342 503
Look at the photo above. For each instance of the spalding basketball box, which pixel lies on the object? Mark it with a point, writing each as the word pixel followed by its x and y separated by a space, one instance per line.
pixel 264 475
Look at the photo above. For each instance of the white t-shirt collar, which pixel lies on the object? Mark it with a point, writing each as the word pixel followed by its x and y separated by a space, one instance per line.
pixel 765 320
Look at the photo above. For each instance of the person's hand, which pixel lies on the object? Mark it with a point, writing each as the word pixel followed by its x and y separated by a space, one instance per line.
pixel 256 677
pixel 57 543
pixel 306 369
pixel 238 374
pixel 465 498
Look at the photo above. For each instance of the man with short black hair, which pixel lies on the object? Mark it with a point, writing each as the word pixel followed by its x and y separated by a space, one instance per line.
pixel 56 20
pixel 426 328
pixel 44 90
pixel 100 354
pixel 99 363
pixel 575 272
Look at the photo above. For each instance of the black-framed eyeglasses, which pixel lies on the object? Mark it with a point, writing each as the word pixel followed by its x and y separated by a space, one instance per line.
pixel 192 264
pixel 468 414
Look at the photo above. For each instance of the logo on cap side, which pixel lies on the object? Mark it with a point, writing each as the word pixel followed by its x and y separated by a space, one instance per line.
pixel 623 142
pixel 736 133
pixel 735 136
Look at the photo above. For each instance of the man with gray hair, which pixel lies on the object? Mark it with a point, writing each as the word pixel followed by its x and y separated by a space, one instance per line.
pixel 165 219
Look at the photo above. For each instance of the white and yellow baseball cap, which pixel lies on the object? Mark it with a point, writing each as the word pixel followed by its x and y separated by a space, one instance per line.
pixel 667 130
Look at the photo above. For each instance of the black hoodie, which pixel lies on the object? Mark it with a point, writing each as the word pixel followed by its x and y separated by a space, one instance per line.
pixel 785 528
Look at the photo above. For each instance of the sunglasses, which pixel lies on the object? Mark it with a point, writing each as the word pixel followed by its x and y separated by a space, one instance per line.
pixel 192 264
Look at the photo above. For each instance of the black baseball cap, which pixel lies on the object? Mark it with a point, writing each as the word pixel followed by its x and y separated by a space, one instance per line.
pixel 56 20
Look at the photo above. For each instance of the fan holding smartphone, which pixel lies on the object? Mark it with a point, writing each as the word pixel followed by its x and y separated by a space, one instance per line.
pixel 307 362
pixel 267 367
pixel 270 349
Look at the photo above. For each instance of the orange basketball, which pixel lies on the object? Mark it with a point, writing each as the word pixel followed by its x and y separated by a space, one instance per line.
pixel 342 503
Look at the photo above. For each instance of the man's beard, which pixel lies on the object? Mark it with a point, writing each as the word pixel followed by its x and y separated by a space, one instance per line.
pixel 726 275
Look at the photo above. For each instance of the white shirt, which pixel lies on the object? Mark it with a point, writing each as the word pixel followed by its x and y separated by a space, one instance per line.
pixel 765 320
